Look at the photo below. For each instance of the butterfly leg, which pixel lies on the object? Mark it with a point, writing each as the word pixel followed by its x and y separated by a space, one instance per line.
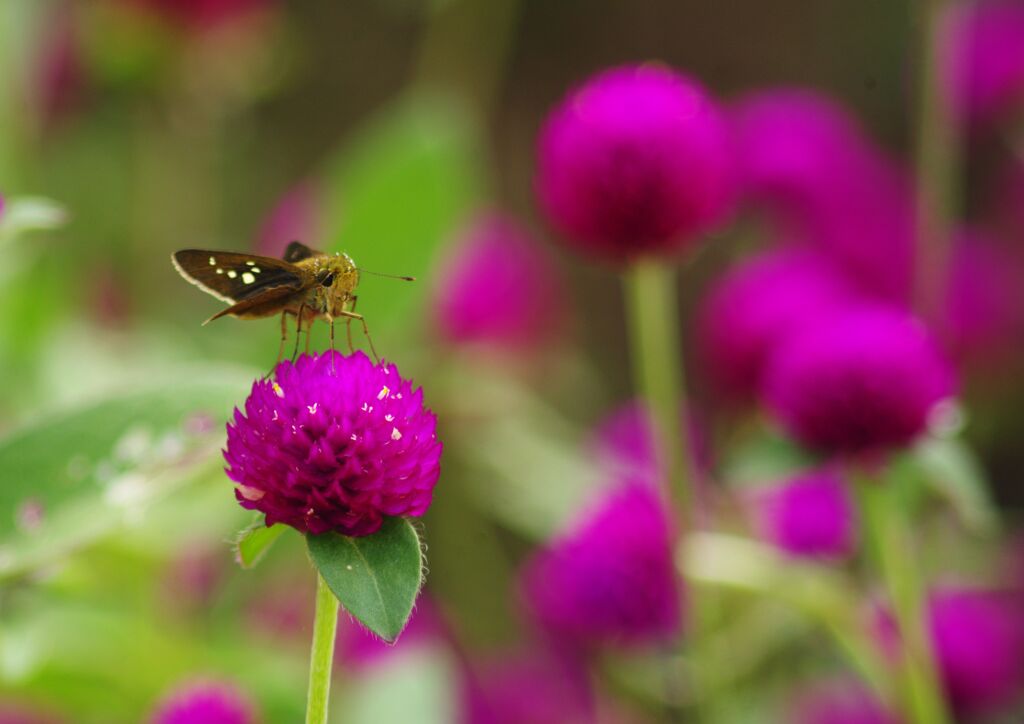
pixel 308 328
pixel 348 326
pixel 298 331
pixel 330 323
pixel 366 332
pixel 284 334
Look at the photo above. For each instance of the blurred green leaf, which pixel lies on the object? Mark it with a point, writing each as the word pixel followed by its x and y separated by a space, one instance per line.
pixel 253 543
pixel 764 457
pixel 396 192
pixel 74 474
pixel 29 214
pixel 376 577
pixel 951 468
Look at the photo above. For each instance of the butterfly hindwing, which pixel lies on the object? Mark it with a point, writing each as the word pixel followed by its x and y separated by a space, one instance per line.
pixel 233 277
pixel 297 251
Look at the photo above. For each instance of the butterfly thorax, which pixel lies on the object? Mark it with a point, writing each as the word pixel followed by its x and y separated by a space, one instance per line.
pixel 336 278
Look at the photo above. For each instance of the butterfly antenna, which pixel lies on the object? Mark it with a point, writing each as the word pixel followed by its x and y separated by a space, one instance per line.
pixel 388 276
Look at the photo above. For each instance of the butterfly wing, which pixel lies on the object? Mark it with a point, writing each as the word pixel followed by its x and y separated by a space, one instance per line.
pixel 297 251
pixel 233 277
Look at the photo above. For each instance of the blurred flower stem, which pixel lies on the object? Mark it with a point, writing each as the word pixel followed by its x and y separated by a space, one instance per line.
pixel 937 161
pixel 890 542
pixel 325 625
pixel 658 370
pixel 653 320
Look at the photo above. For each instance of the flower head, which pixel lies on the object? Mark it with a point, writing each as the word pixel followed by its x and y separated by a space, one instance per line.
pixel 610 578
pixel 205 702
pixel 497 286
pixel 756 305
pixel 982 64
pixel 859 382
pixel 335 443
pixel 810 515
pixel 978 638
pixel 806 162
pixel 635 162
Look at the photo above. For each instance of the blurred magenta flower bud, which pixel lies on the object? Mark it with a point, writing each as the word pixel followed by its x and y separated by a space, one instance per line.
pixel 496 286
pixel 982 64
pixel 623 443
pixel 334 443
pixel 58 77
pixel 205 702
pixel 983 321
pixel 609 579
pixel 820 179
pixel 532 687
pixel 756 305
pixel 978 637
pixel 859 382
pixel 202 15
pixel 635 162
pixel 839 701
pixel 811 515
pixel 295 216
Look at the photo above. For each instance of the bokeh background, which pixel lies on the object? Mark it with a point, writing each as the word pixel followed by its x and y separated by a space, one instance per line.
pixel 400 131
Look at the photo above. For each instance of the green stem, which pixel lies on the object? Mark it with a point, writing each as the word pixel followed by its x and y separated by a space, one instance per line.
pixel 325 626
pixel 937 160
pixel 657 363
pixel 889 538
pixel 658 369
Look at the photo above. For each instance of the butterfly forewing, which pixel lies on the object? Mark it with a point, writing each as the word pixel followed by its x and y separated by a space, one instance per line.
pixel 233 277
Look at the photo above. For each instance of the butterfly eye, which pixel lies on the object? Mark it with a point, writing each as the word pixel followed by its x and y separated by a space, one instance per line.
pixel 327 280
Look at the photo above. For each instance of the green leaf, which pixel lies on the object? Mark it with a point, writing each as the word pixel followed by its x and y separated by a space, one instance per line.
pixel 253 542
pixel 951 468
pixel 376 577
pixel 75 474
pixel 395 192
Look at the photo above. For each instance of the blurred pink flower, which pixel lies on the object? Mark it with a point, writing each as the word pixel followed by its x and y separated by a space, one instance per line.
pixel 201 15
pixel 610 578
pixel 839 701
pixel 757 305
pixel 821 180
pixel 622 442
pixel 811 515
pixel 497 286
pixel 58 77
pixel 979 644
pixel 205 702
pixel 982 65
pixel 860 382
pixel 530 688
pixel 983 321
pixel 295 216
pixel 635 162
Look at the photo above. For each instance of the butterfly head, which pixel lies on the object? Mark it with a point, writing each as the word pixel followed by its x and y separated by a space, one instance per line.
pixel 337 278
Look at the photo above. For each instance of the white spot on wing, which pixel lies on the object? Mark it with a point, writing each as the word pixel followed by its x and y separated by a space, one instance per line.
pixel 232 274
pixel 213 262
pixel 248 278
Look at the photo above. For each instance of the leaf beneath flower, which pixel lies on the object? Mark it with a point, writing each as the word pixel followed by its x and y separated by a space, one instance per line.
pixel 376 577
pixel 253 542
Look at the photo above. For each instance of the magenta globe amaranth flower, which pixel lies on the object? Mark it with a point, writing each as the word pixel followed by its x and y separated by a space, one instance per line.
pixel 635 162
pixel 205 702
pixel 757 305
pixel 982 63
pixel 496 286
pixel 334 443
pixel 820 179
pixel 610 578
pixel 978 637
pixel 860 382
pixel 811 515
